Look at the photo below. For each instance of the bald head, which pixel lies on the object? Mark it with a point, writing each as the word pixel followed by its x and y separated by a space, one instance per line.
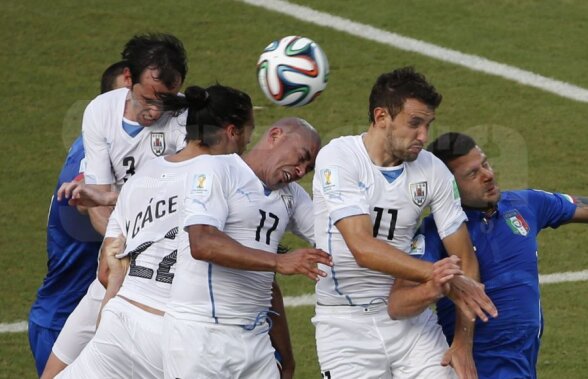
pixel 295 125
pixel 285 153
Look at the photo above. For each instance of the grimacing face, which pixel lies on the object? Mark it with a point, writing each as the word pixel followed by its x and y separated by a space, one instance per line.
pixel 409 130
pixel 475 180
pixel 290 160
pixel 144 97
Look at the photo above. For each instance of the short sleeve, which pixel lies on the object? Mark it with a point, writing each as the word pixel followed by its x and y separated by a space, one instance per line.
pixel 337 181
pixel 553 209
pixel 446 202
pixel 206 196
pixel 97 170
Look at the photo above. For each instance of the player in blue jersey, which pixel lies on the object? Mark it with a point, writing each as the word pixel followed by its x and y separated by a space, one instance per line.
pixel 72 247
pixel 503 227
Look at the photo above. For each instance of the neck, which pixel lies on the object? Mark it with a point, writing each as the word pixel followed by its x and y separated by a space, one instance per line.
pixel 192 150
pixel 375 146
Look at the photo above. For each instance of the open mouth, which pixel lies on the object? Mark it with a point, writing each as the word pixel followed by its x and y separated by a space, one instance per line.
pixel 287 176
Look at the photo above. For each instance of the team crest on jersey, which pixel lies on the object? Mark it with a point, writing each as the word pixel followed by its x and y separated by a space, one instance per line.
pixel 288 203
pixel 157 143
pixel 516 223
pixel 418 192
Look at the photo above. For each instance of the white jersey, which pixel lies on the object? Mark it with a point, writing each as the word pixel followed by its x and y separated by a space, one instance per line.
pixel 224 192
pixel 148 214
pixel 112 155
pixel 347 183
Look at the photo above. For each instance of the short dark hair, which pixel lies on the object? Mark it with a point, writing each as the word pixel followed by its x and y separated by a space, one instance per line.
pixel 158 51
pixel 450 146
pixel 209 110
pixel 110 74
pixel 392 89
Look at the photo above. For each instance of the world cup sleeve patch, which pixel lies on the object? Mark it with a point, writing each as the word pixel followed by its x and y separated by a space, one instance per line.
pixel 201 185
pixel 455 190
pixel 330 180
pixel 417 246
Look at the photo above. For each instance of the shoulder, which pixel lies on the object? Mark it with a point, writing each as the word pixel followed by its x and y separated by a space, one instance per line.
pixel 340 151
pixel 109 99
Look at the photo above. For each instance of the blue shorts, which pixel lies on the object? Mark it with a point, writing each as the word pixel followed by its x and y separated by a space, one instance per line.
pixel 507 353
pixel 41 341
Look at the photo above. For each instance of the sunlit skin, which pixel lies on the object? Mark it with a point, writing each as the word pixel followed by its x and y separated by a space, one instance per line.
pixel 475 179
pixel 142 105
pixel 404 136
pixel 294 157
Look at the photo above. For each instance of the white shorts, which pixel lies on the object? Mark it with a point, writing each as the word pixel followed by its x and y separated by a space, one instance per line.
pixel 80 325
pixel 127 344
pixel 364 342
pixel 200 350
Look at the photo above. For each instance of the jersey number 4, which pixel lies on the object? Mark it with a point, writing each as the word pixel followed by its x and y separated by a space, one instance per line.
pixel 394 216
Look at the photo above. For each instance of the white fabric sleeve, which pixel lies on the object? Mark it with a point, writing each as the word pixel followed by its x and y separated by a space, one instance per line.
pixel 98 170
pixel 302 221
pixel 336 178
pixel 446 202
pixel 206 196
pixel 116 221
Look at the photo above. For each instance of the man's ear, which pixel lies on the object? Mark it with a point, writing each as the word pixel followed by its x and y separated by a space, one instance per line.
pixel 380 113
pixel 274 135
pixel 127 77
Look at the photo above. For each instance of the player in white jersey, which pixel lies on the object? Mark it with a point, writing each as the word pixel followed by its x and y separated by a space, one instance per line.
pixel 369 193
pixel 118 139
pixel 236 211
pixel 147 215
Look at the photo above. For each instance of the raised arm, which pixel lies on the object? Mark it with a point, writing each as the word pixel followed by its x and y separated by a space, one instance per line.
pixel 369 252
pixel 209 244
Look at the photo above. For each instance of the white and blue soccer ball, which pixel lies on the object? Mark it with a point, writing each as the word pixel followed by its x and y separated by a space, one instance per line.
pixel 292 71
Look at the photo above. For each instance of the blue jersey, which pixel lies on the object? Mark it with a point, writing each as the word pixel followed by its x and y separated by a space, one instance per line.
pixel 506 248
pixel 72 252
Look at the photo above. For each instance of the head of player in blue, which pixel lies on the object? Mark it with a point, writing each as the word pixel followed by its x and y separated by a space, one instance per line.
pixel 285 153
pixel 402 106
pixel 219 118
pixel 117 75
pixel 468 163
pixel 158 64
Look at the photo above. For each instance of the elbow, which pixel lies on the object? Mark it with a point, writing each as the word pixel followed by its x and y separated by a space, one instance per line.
pixel 199 253
pixel 103 276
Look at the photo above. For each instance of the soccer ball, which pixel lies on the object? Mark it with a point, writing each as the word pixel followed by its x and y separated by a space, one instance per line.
pixel 292 71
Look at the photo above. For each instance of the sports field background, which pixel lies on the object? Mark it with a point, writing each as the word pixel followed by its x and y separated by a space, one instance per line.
pixel 53 52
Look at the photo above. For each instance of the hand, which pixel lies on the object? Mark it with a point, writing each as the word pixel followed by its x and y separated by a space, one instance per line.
pixel 469 296
pixel 460 357
pixel 115 265
pixel 303 261
pixel 443 271
pixel 80 194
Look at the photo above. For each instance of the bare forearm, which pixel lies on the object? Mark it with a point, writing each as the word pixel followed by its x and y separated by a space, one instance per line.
pixel 279 333
pixel 408 299
pixel 99 218
pixel 211 245
pixel 581 214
